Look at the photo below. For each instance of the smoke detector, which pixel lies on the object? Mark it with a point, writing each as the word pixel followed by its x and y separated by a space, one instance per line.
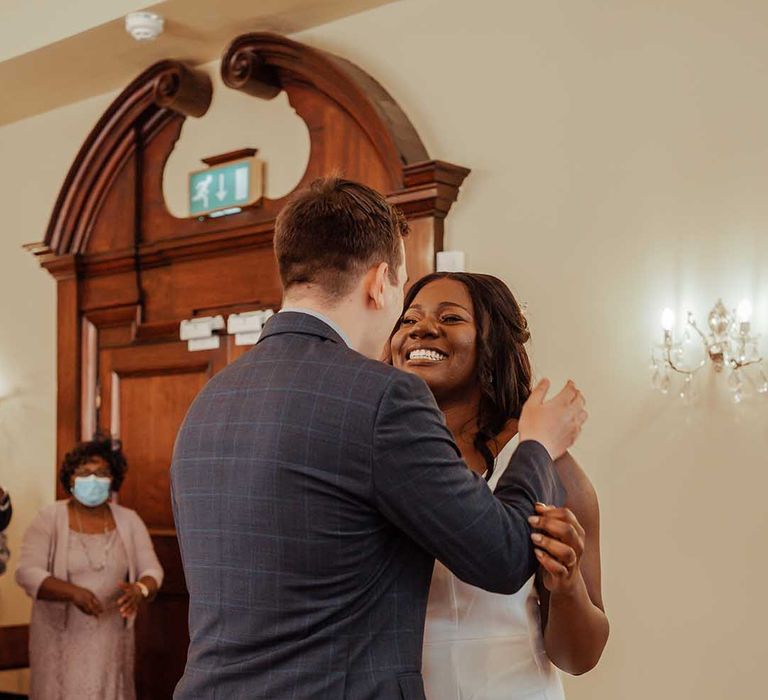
pixel 144 26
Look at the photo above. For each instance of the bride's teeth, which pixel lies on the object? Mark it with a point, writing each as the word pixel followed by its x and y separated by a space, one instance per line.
pixel 426 355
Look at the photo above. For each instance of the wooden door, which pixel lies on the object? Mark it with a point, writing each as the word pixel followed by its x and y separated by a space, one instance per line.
pixel 145 393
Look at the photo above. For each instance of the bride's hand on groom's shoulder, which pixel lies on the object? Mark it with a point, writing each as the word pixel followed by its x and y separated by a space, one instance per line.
pixel 555 423
pixel 558 539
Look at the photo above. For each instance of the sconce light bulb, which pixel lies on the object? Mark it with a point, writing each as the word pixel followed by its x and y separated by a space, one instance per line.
pixel 668 319
pixel 744 311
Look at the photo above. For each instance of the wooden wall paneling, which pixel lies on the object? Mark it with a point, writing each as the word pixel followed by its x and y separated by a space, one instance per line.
pixel 68 364
pixel 338 144
pixel 162 633
pixel 204 285
pixel 105 291
pixel 14 647
pixel 112 229
pixel 420 251
pixel 157 222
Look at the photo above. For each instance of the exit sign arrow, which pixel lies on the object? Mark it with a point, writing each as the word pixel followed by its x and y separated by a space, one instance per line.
pixel 221 192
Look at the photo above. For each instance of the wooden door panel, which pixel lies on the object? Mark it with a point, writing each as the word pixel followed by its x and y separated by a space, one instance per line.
pixel 145 393
pixel 152 407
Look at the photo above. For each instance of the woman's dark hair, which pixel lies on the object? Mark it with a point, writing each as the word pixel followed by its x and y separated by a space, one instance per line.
pixel 101 446
pixel 503 366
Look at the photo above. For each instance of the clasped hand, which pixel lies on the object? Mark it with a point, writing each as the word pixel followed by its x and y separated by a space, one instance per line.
pixel 128 603
pixel 559 546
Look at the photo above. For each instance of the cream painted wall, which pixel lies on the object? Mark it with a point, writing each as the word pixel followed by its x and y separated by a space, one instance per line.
pixel 619 155
pixel 35 155
pixel 620 160
pixel 29 24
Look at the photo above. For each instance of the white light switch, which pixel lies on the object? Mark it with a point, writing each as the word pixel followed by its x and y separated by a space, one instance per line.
pixel 450 261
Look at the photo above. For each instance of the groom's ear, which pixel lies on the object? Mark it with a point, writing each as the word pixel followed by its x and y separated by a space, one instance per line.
pixel 375 285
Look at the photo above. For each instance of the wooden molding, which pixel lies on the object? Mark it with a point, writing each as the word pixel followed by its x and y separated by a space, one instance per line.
pixel 260 64
pixel 171 250
pixel 61 267
pixel 243 69
pixel 113 316
pixel 229 157
pixel 166 90
pixel 430 189
pixel 183 90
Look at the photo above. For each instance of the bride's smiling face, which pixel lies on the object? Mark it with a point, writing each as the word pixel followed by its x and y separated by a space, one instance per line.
pixel 437 338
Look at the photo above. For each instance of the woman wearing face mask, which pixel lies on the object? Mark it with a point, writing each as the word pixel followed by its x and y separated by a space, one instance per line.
pixel 89 565
pixel 464 334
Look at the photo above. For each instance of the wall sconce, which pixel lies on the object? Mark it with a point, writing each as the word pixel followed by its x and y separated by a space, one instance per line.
pixel 729 345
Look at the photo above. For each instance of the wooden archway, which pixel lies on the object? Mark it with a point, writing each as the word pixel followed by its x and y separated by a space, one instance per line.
pixel 128 271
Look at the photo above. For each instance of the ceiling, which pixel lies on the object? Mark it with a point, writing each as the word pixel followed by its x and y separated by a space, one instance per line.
pixel 81 48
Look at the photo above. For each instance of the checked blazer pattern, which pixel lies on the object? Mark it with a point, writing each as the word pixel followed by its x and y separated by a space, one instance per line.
pixel 312 489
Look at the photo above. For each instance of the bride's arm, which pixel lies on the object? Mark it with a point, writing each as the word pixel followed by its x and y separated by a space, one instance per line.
pixel 573 619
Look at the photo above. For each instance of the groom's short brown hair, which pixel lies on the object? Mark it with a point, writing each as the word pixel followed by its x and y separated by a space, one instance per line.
pixel 332 231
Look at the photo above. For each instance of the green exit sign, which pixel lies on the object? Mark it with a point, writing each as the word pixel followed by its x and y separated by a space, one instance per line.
pixel 225 186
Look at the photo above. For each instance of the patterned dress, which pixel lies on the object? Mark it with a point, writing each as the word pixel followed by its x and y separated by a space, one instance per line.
pixel 92 658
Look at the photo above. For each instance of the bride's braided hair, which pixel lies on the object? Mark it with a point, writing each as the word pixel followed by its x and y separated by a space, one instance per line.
pixel 503 366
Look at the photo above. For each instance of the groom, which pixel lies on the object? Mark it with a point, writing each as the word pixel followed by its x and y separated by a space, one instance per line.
pixel 313 485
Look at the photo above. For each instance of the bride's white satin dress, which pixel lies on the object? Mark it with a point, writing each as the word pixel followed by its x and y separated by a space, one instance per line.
pixel 485 646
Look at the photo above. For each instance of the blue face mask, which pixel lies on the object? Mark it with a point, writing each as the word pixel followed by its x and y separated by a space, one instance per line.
pixel 91 490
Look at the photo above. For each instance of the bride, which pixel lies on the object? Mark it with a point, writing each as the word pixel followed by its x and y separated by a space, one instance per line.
pixel 464 334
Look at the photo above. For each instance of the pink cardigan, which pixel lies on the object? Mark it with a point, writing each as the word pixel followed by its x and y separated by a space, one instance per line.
pixel 44 553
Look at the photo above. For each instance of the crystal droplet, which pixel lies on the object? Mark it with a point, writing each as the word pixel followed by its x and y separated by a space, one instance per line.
pixel 763 387
pixel 687 393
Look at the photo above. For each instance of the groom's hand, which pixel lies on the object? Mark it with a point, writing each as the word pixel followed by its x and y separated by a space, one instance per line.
pixel 555 423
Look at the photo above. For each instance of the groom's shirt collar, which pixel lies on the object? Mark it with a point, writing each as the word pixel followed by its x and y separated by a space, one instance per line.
pixel 320 317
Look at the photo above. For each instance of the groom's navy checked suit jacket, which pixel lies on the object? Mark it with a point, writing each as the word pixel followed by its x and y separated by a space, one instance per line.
pixel 312 489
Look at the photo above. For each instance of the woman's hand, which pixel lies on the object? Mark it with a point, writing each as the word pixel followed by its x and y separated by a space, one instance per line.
pixel 559 545
pixel 86 601
pixel 129 601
